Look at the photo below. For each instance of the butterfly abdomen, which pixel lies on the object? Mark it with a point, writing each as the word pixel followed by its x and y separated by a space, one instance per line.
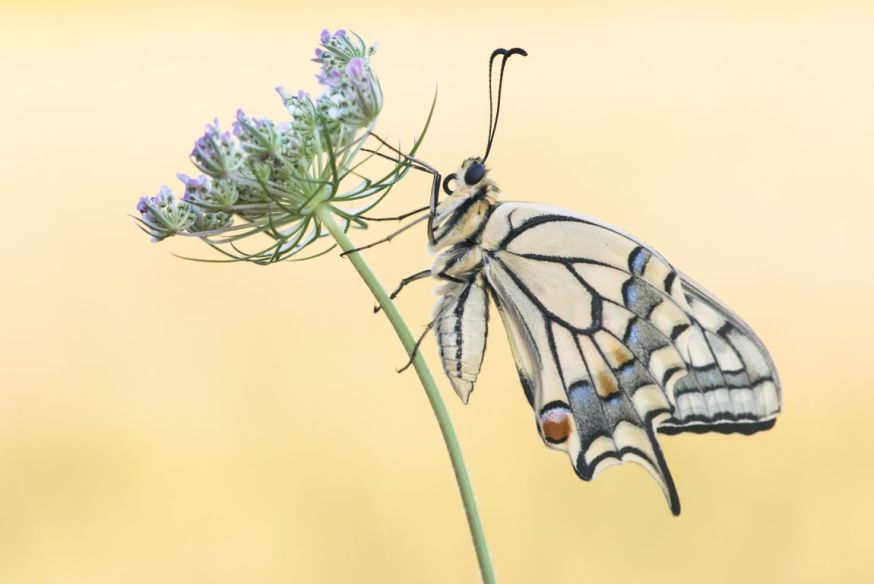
pixel 462 327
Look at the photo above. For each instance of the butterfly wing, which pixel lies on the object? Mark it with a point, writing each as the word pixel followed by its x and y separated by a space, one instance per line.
pixel 612 343
pixel 733 385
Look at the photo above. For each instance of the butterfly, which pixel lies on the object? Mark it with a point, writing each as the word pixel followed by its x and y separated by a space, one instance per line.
pixel 613 345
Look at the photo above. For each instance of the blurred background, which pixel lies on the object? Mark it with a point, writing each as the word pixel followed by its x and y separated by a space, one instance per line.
pixel 167 421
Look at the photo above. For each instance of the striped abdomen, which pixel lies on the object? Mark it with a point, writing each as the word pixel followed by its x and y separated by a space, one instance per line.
pixel 461 331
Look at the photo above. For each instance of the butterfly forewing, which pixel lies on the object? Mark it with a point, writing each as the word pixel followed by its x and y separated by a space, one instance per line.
pixel 612 343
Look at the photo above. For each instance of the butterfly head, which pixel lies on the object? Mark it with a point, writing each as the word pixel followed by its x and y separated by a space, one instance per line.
pixel 468 178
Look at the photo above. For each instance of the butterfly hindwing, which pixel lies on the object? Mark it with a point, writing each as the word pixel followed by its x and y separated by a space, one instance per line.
pixel 612 343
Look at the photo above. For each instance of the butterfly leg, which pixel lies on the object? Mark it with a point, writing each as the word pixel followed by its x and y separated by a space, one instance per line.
pixel 411 162
pixel 396 218
pixel 435 183
pixel 415 350
pixel 404 282
pixel 415 161
pixel 388 238
pixel 448 302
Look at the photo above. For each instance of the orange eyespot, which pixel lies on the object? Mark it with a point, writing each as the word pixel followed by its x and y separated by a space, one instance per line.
pixel 556 424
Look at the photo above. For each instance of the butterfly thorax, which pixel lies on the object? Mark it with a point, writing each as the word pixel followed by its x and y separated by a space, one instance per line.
pixel 460 220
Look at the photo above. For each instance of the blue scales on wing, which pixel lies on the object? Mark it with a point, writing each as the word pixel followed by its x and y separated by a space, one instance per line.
pixel 614 345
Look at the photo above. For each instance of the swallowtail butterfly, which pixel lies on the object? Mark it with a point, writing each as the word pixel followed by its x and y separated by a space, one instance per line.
pixel 613 344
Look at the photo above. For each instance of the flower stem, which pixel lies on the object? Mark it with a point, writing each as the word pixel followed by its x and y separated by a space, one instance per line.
pixel 449 437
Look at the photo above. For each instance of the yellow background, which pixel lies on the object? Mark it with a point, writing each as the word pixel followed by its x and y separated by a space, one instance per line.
pixel 164 421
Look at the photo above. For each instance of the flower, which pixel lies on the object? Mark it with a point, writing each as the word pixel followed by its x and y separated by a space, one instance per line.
pixel 215 153
pixel 337 50
pixel 353 95
pixel 356 97
pixel 261 139
pixel 272 177
pixel 162 215
pixel 209 195
pixel 304 119
pixel 210 222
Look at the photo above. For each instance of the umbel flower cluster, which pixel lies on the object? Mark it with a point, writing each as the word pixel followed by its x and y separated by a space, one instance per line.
pixel 268 178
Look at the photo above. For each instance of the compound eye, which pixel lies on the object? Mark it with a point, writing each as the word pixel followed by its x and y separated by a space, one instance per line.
pixel 446 181
pixel 475 173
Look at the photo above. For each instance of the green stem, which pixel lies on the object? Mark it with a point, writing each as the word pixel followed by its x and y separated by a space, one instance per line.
pixel 452 445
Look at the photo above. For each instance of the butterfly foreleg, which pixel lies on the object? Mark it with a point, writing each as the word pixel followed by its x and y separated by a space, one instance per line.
pixel 387 238
pixel 422 165
pixel 397 217
pixel 404 282
pixel 435 184
pixel 411 163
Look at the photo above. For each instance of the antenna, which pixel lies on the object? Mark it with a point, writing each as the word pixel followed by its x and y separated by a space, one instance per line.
pixel 493 122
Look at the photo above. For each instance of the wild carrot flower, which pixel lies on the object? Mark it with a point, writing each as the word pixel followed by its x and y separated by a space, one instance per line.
pixel 208 194
pixel 162 215
pixel 267 178
pixel 216 153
